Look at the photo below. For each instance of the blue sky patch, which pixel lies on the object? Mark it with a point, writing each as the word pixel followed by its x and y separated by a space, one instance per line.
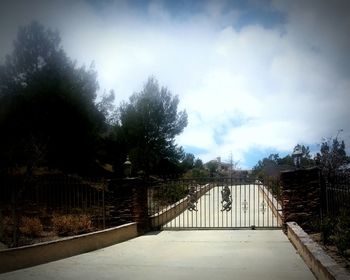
pixel 255 154
pixel 267 18
pixel 195 150
pixel 221 131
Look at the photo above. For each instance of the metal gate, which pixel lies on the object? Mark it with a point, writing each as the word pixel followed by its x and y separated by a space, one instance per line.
pixel 215 203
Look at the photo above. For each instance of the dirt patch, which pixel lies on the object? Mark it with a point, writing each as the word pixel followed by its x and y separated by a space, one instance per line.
pixel 24 241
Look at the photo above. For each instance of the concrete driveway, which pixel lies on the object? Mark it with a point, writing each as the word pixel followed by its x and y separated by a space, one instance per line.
pixel 210 254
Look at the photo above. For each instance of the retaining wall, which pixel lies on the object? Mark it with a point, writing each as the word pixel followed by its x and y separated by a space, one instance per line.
pixel 322 265
pixel 26 256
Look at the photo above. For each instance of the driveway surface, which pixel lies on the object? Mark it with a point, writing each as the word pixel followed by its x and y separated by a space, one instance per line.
pixel 187 254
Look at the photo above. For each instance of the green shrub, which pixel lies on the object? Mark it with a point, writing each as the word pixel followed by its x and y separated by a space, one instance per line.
pixel 342 232
pixel 172 192
pixel 327 228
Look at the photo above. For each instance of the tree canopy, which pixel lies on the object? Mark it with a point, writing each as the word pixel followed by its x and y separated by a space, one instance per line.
pixel 188 162
pixel 150 121
pixel 47 104
pixel 49 115
pixel 332 155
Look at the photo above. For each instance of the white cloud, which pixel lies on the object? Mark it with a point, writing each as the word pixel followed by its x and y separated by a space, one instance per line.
pixel 254 88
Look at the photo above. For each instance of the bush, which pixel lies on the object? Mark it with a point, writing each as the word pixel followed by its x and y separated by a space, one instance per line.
pixel 7 226
pixel 172 192
pixel 71 224
pixel 342 232
pixel 327 227
pixel 31 227
pixel 196 173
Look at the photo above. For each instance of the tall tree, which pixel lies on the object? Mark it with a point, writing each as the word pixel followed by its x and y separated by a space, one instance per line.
pixel 332 155
pixel 198 163
pixel 188 162
pixel 268 166
pixel 212 167
pixel 150 121
pixel 48 114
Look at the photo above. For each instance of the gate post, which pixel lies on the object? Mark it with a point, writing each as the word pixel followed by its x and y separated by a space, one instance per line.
pixel 128 197
pixel 140 204
pixel 301 197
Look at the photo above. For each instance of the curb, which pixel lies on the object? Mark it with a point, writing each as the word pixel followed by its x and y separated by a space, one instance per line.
pixel 31 255
pixel 322 265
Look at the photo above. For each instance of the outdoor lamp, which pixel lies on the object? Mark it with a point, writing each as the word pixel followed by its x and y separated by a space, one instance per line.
pixel 127 167
pixel 297 155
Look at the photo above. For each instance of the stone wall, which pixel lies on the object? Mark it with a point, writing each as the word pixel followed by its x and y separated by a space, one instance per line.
pixel 301 200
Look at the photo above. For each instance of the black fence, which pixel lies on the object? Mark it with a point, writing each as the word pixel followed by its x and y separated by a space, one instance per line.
pixel 64 194
pixel 71 204
pixel 33 206
pixel 335 193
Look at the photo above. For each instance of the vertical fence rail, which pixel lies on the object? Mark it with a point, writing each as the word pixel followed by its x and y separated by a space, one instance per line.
pixel 335 194
pixel 46 197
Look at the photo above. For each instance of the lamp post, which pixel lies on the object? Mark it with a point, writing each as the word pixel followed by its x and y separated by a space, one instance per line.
pixel 127 167
pixel 297 155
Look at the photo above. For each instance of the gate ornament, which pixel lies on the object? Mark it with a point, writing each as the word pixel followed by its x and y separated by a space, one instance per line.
pixel 263 207
pixel 245 206
pixel 226 199
pixel 192 199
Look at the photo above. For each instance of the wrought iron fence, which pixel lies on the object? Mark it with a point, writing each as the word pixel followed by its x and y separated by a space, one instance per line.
pixel 46 197
pixel 335 193
pixel 241 202
pixel 61 193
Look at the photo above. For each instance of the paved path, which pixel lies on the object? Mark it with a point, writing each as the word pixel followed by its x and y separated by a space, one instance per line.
pixel 211 254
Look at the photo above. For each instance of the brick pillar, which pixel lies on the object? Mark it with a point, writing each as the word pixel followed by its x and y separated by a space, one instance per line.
pixel 301 200
pixel 129 200
pixel 140 204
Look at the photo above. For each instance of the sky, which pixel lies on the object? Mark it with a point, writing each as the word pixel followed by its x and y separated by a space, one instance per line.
pixel 255 77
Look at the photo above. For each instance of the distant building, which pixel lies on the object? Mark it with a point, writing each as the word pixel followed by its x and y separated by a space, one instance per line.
pixel 226 169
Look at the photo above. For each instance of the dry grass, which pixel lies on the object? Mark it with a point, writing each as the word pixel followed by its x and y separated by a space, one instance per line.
pixel 71 224
pixel 31 227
